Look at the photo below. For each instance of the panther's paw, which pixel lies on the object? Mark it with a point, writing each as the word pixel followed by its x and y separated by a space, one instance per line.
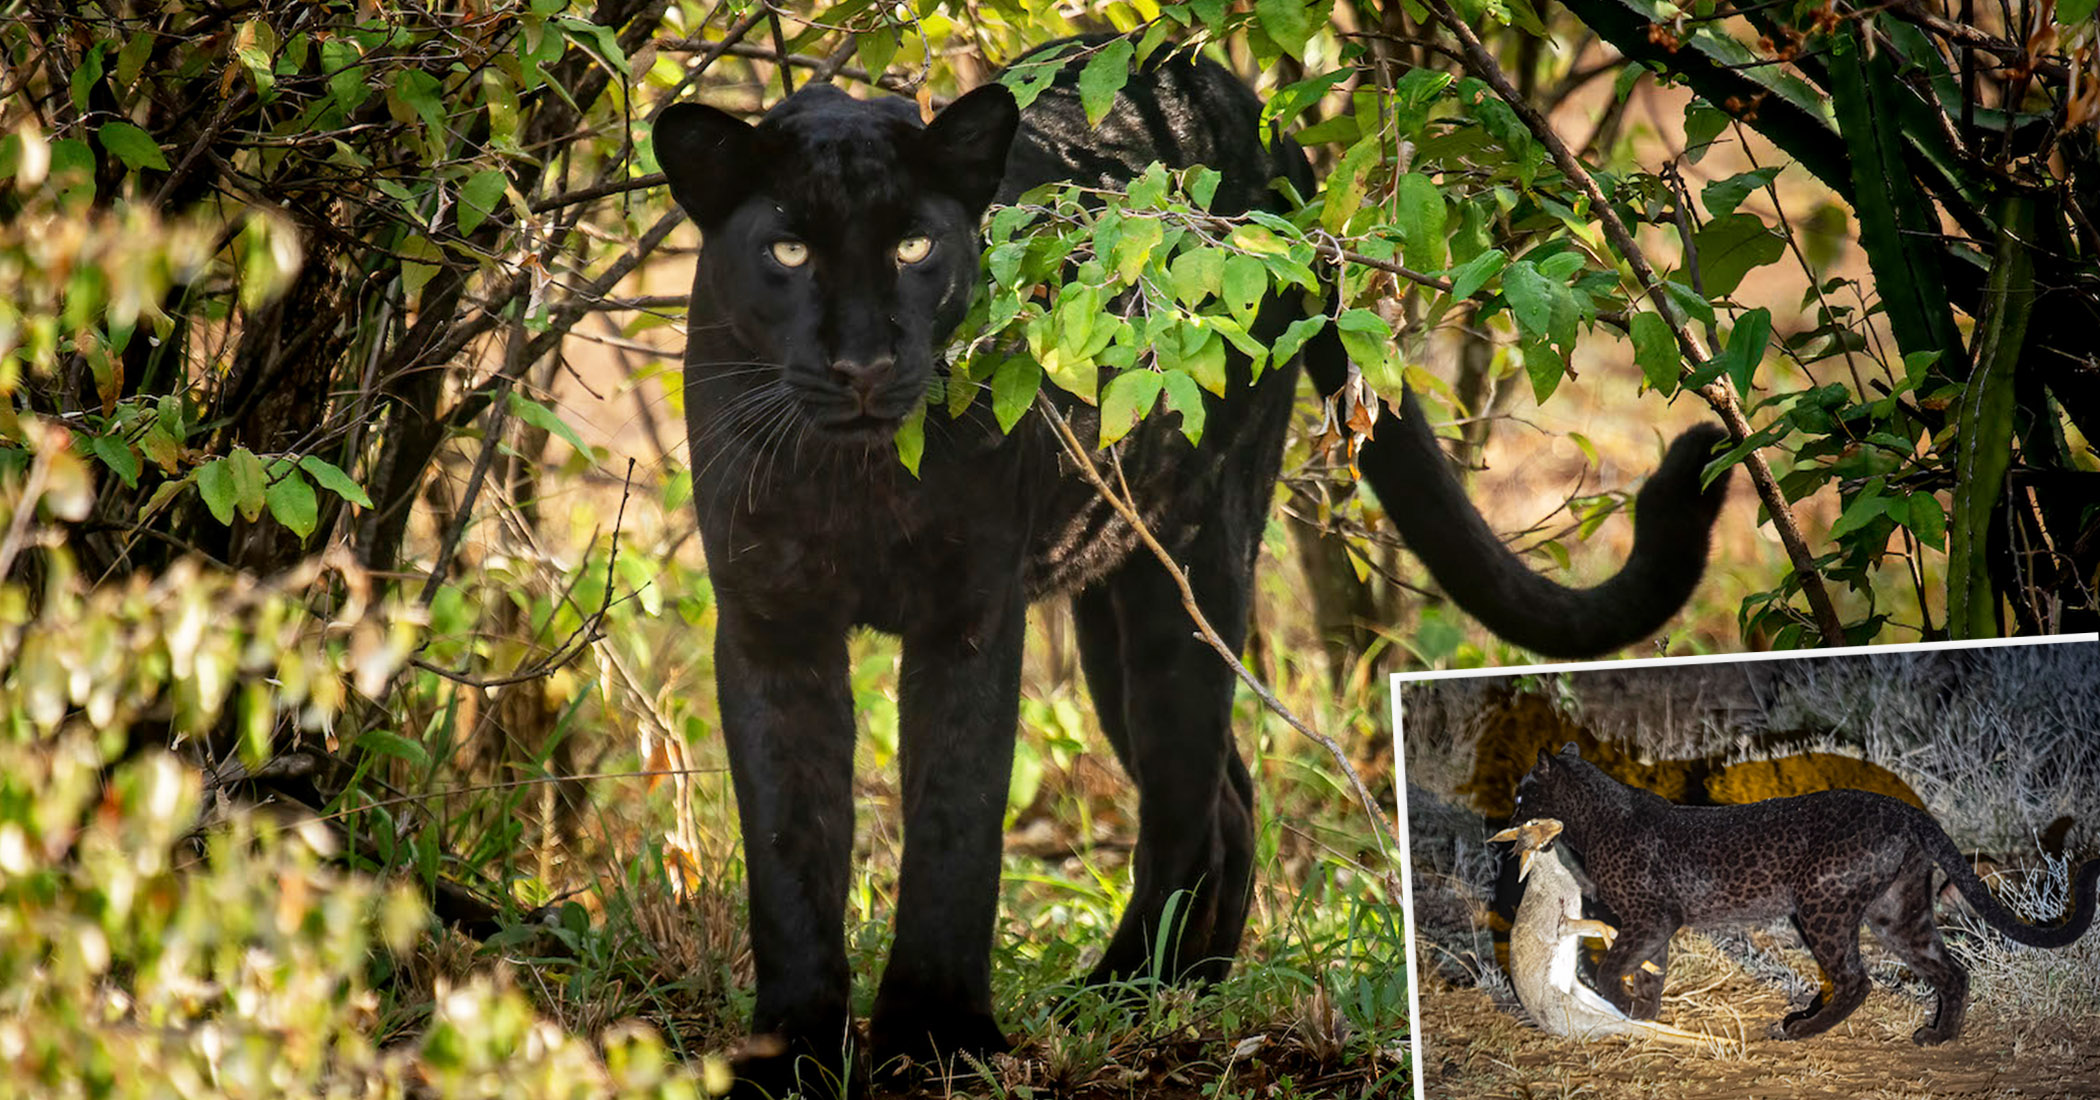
pixel 1931 1036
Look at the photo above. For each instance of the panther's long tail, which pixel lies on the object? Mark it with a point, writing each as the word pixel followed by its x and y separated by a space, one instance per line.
pixel 1934 841
pixel 1673 521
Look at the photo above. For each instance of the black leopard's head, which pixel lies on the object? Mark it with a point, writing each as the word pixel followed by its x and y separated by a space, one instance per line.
pixel 839 242
pixel 1565 787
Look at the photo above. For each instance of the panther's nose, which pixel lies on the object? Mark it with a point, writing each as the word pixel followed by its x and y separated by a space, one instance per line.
pixel 862 377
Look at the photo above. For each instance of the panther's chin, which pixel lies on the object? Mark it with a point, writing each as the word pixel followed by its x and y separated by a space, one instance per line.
pixel 858 430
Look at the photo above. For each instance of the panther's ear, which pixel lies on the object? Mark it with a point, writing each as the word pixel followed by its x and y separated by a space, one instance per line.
pixel 1570 751
pixel 1545 759
pixel 966 145
pixel 708 156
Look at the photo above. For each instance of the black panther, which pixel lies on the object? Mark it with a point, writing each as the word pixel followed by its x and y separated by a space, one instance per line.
pixel 840 253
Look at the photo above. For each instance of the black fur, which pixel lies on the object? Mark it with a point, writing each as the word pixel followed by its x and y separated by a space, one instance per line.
pixel 1830 860
pixel 797 375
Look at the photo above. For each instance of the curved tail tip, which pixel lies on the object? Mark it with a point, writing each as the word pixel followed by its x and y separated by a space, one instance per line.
pixel 1675 482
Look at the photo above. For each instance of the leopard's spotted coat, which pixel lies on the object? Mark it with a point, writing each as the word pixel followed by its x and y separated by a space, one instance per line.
pixel 1831 860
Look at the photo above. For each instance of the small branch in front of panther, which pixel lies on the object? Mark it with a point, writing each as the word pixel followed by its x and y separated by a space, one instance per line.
pixel 1121 503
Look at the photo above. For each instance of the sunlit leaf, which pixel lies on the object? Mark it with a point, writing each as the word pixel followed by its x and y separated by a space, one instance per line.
pixel 1125 400
pixel 1105 74
pixel 334 480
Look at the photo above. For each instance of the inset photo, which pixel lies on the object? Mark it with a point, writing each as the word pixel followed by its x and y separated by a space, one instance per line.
pixel 1853 873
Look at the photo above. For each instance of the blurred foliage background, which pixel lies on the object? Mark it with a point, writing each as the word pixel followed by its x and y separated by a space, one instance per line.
pixel 340 459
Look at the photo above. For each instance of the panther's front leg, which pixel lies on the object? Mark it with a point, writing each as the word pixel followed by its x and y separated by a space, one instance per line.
pixel 1631 973
pixel 787 717
pixel 959 697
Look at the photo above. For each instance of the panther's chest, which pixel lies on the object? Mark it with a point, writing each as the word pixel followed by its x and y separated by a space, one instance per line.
pixel 857 539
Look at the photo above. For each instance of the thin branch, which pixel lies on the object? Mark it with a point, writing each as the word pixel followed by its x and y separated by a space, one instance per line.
pixel 1716 393
pixel 587 194
pixel 1381 829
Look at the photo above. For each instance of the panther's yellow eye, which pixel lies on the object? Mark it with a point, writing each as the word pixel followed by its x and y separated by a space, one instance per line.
pixel 790 253
pixel 911 250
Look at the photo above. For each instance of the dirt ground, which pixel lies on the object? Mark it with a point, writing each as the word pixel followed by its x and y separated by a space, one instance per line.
pixel 1473 1047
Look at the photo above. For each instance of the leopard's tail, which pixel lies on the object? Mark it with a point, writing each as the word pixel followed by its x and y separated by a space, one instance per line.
pixel 2083 887
pixel 1673 520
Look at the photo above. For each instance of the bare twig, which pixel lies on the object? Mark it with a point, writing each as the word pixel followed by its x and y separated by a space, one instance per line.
pixel 586 194
pixel 1716 393
pixel 1381 827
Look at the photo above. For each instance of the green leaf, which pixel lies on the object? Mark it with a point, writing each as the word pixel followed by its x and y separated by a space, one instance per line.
pixel 1865 508
pixel 599 39
pixel 875 48
pixel 1730 247
pixel 86 75
pixel 1703 122
pixel 334 480
pixel 1134 248
pixel 1294 337
pixel 118 456
pixel 1014 387
pixel 1287 23
pixel 1927 520
pixel 396 746
pixel 133 146
pixel 249 482
pixel 1292 99
pixel 1349 182
pixel 1196 274
pixel 255 46
pixel 911 440
pixel 1125 401
pixel 1203 357
pixel 1422 222
pixel 1104 76
pixel 1688 300
pixel 215 485
pixel 1369 342
pixel 1746 348
pixel 545 419
pixel 420 262
pixel 422 94
pixel 1544 367
pixel 1245 281
pixel 2072 13
pixel 1530 296
pixel 1655 350
pixel 293 503
pixel 1474 273
pixel 1258 240
pixel 1256 352
pixel 1028 77
pixel 132 58
pixel 1149 190
pixel 1723 196
pixel 478 198
pixel 1203 185
pixel 1184 396
pixel 348 82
